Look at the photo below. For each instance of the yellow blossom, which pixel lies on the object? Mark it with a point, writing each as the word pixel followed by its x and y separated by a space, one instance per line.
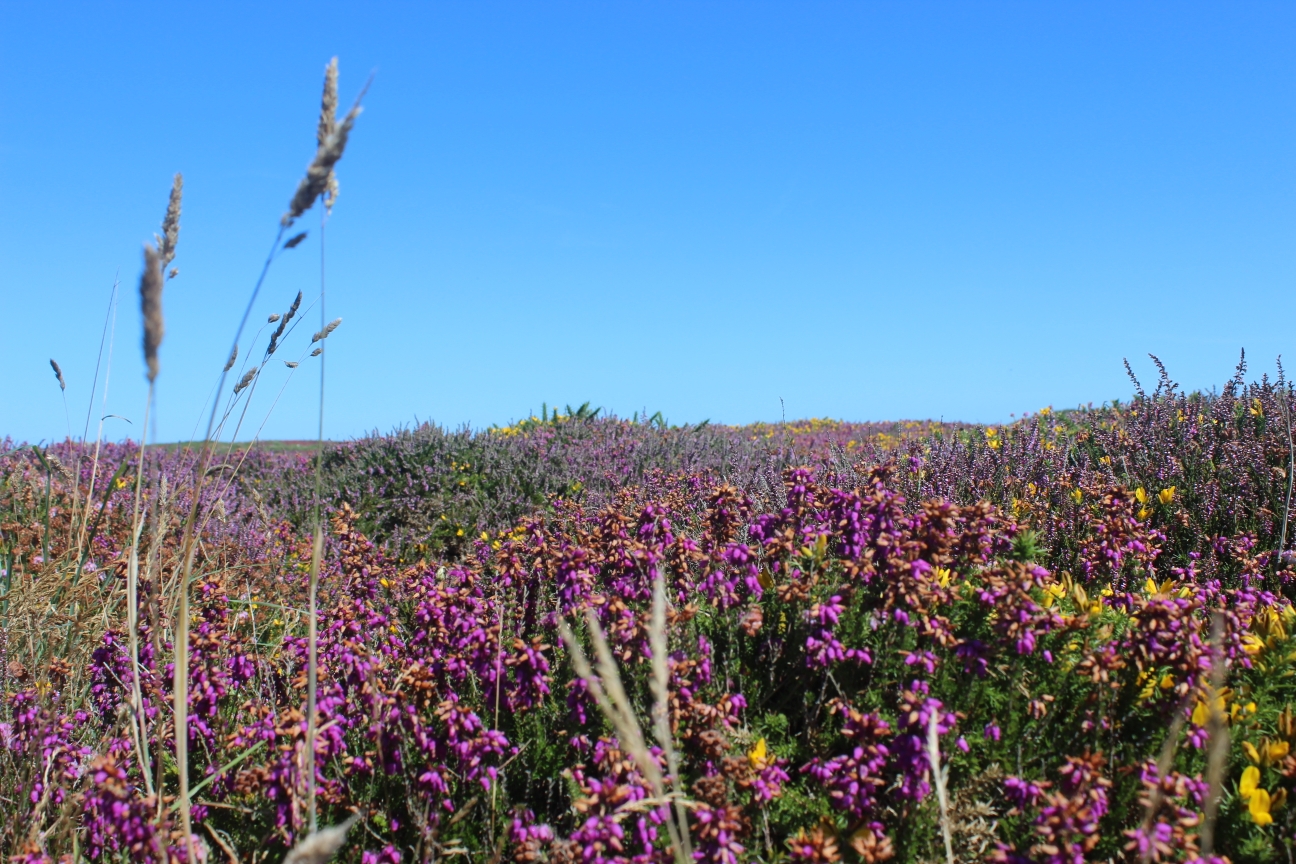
pixel 1077 496
pixel 1253 754
pixel 1053 593
pixel 758 755
pixel 1144 512
pixel 1166 495
pixel 1277 750
pixel 1252 644
pixel 1140 495
pixel 1250 781
pixel 942 575
pixel 1258 804
pixel 383 582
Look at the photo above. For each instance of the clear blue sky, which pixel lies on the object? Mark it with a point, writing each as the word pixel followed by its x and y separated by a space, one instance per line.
pixel 869 210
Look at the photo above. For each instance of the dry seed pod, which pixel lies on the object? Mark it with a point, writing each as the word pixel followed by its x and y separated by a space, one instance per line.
pixel 291 364
pixel 273 318
pixel 317 352
pixel 58 373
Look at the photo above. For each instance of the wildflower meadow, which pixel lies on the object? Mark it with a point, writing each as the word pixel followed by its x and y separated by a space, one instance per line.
pixel 584 638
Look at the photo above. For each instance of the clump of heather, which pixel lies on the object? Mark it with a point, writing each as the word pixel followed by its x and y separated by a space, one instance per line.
pixel 1027 610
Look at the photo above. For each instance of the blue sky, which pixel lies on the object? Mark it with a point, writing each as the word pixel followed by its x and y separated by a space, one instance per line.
pixel 865 210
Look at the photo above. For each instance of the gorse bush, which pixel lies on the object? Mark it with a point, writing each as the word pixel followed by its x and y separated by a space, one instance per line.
pixel 579 638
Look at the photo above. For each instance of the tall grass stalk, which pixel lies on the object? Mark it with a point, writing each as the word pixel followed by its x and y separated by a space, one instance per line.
pixel 1218 747
pixel 317 550
pixel 938 781
pixel 610 697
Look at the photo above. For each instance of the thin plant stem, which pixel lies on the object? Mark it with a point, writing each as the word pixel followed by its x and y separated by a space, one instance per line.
pixel 73 530
pixel 312 659
pixel 1217 730
pixel 188 549
pixel 938 780
pixel 94 465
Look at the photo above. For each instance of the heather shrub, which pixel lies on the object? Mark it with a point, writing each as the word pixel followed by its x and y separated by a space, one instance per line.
pixel 825 636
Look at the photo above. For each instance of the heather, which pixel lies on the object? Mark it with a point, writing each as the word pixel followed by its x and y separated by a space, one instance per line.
pixel 1069 615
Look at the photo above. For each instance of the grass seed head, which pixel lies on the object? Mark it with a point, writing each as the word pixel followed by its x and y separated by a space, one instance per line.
pixel 319 173
pixel 151 309
pixel 327 126
pixel 229 364
pixel 58 373
pixel 245 380
pixel 321 846
pixel 166 243
pixel 324 334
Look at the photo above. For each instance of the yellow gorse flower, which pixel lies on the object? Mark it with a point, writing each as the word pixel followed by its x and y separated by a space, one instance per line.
pixel 1053 593
pixel 1151 587
pixel 1077 496
pixel 1140 495
pixel 1252 644
pixel 1250 781
pixel 1166 495
pixel 1259 805
pixel 758 755
pixel 942 575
